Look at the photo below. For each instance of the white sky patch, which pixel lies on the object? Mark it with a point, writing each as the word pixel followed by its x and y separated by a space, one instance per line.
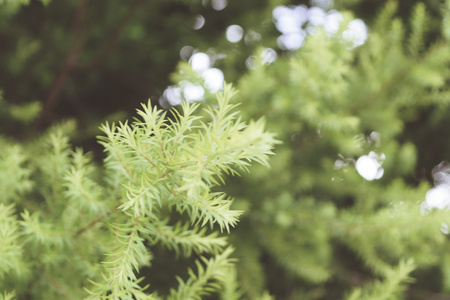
pixel 369 166
pixel 234 33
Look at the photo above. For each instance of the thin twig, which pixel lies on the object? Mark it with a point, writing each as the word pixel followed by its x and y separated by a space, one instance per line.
pixel 114 40
pixel 90 224
pixel 59 288
pixel 69 64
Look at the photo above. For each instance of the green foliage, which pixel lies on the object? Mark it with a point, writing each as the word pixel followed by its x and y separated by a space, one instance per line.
pixel 311 216
pixel 7 296
pixel 101 223
pixel 391 287
pixel 198 285
pixel 14 5
pixel 309 227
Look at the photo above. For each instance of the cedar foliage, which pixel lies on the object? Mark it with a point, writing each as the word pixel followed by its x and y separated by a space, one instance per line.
pixel 73 229
pixel 309 227
pixel 312 215
pixel 313 227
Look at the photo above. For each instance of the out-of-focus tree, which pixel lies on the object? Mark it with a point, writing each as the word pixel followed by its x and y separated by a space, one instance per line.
pixel 358 107
pixel 92 60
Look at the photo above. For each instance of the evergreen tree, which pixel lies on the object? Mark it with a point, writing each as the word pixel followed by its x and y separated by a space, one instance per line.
pixel 72 229
pixel 313 217
pixel 340 206
pixel 343 212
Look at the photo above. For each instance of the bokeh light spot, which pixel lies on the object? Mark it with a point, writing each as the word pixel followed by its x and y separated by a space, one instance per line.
pixel 219 4
pixel 171 97
pixel 292 41
pixel 213 79
pixel 332 22
pixel 234 33
pixel 369 166
pixel 193 92
pixel 186 52
pixel 439 196
pixel 250 63
pixel 268 56
pixel 290 19
pixel 324 4
pixel 252 37
pixel 316 16
pixel 199 22
pixel 200 61
pixel 356 32
pixel 295 22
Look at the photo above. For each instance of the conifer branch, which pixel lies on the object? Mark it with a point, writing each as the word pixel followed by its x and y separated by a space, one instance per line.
pixel 7 296
pixel 392 285
pixel 206 280
pixel 180 236
pixel 68 65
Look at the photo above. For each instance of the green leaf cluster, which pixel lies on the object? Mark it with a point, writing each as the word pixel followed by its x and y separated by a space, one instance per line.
pixel 310 227
pixel 71 228
pixel 312 217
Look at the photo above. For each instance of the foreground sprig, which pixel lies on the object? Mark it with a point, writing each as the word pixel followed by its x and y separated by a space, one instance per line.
pixel 169 166
pixel 159 185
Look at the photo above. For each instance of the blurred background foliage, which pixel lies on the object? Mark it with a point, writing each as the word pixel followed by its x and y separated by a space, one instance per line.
pixel 97 60
pixel 93 60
